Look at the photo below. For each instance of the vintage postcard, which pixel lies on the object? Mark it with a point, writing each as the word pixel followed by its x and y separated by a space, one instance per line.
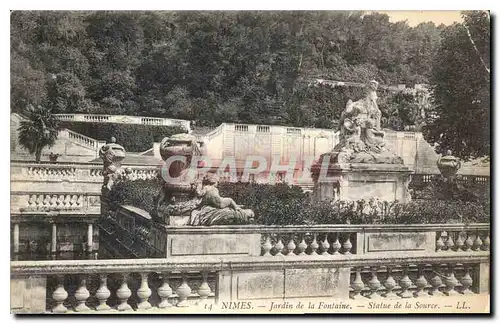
pixel 250 162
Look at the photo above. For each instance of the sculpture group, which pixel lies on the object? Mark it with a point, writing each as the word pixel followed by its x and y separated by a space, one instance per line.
pixel 361 138
pixel 191 194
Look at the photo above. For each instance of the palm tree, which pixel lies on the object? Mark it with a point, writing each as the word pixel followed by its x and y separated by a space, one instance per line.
pixel 38 130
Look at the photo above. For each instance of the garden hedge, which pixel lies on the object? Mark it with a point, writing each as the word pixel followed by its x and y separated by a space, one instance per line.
pixel 135 138
pixel 288 205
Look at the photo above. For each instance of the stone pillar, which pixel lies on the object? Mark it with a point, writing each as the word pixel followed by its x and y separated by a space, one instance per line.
pixel 53 245
pixel 90 237
pixel 16 238
pixel 484 278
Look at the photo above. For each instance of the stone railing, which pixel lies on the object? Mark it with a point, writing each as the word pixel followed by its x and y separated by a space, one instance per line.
pixel 291 241
pixel 57 186
pixel 55 201
pixel 79 138
pixel 154 285
pixel 120 119
pixel 421 180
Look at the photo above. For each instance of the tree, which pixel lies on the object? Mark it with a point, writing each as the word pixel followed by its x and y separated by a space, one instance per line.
pixel 38 130
pixel 460 121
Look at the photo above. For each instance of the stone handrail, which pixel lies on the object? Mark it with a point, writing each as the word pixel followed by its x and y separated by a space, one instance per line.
pixel 324 228
pixel 22 171
pixel 213 133
pixel 355 239
pixel 210 263
pixel 208 281
pixel 57 186
pixel 122 119
pixel 79 138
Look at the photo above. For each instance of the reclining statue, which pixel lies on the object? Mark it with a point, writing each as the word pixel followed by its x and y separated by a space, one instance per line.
pixel 216 210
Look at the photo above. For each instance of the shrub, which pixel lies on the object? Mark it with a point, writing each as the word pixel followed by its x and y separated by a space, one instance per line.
pixel 138 193
pixel 135 138
pixel 288 205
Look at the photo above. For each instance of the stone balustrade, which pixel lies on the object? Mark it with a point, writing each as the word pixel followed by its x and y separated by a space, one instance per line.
pixel 57 186
pixel 336 240
pixel 155 285
pixel 459 239
pixel 121 119
pixel 44 202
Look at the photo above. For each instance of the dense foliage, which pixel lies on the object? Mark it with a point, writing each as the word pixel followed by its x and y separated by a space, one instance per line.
pixel 288 205
pixel 252 67
pixel 461 77
pixel 38 130
pixel 134 138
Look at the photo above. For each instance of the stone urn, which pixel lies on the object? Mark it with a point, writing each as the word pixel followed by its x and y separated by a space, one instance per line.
pixel 448 165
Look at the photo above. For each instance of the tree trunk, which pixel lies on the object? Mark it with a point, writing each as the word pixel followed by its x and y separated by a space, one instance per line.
pixel 38 154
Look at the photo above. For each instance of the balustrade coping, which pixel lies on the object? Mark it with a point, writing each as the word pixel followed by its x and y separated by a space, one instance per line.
pixel 208 263
pixel 55 217
pixel 51 193
pixel 345 228
pixel 76 165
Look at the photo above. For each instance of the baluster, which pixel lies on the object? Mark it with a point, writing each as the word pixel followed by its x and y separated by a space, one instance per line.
pixel 302 246
pixel 459 243
pixel 59 295
pixel 486 242
pixel 347 245
pixel 204 289
pixel 183 291
pixel 390 284
pixel 336 245
pixel 81 295
pixel 374 284
pixel 421 283
pixel 477 243
pixel 279 247
pixel 80 200
pixel 31 200
pixel 450 281
pixel 466 281
pixel 325 245
pixel 436 281
pixel 46 200
pixel 405 283
pixel 439 244
pixel 103 293
pixel 67 201
pixel 357 285
pixel 164 291
pixel 73 200
pixel 449 243
pixel 469 243
pixel 291 247
pixel 267 246
pixel 38 200
pixel 123 294
pixel 144 292
pixel 314 245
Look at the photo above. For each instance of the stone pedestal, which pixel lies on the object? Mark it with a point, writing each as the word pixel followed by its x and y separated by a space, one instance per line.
pixel 387 182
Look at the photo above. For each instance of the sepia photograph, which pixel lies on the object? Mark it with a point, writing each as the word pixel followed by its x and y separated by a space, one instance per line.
pixel 240 162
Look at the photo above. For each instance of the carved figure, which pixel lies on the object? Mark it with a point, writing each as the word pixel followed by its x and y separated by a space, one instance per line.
pixel 216 210
pixel 111 154
pixel 361 139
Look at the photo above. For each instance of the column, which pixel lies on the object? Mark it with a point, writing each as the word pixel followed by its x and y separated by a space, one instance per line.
pixel 90 236
pixel 16 238
pixel 53 245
